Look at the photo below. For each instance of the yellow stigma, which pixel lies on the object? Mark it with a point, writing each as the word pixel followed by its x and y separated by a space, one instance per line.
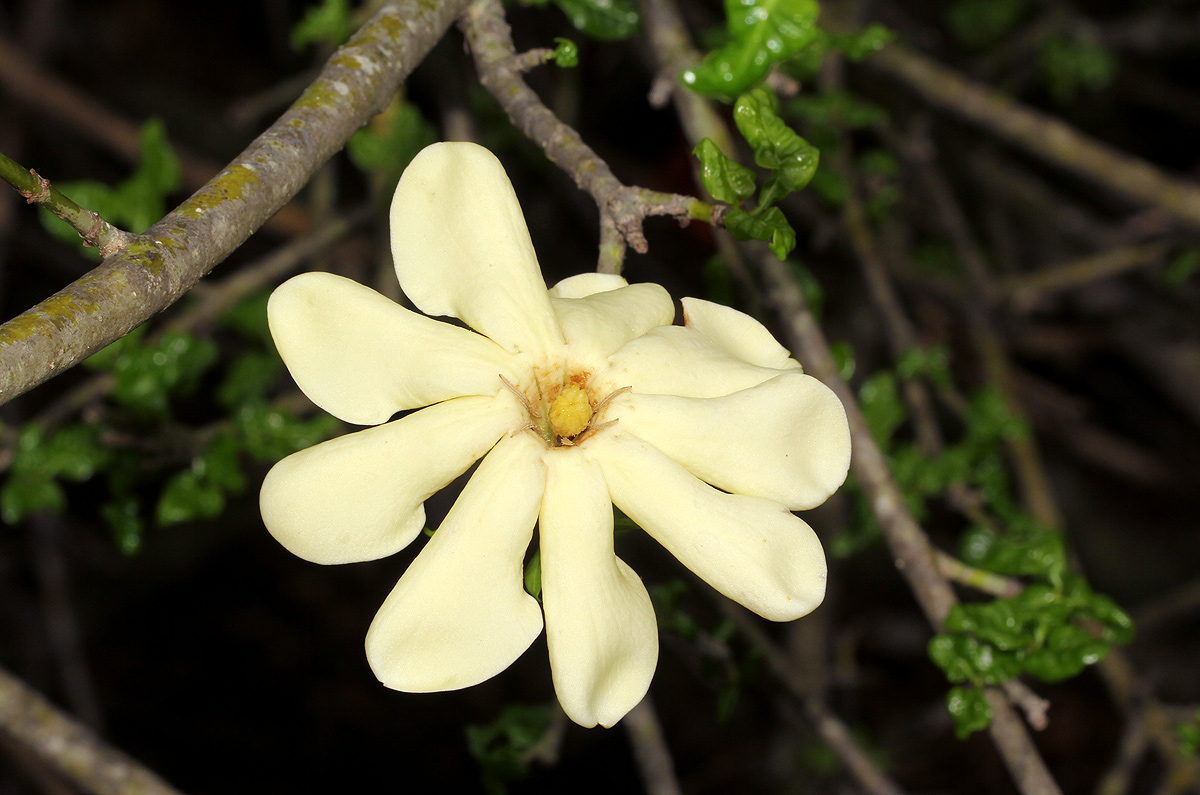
pixel 571 411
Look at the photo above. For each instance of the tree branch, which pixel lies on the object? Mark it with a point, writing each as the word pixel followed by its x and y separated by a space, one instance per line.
pixel 622 208
pixel 70 747
pixel 1039 133
pixel 161 265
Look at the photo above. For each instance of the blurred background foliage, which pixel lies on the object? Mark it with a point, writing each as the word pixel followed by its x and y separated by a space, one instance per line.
pixel 139 589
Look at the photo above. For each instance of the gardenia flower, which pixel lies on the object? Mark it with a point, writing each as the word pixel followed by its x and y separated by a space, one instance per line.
pixel 707 435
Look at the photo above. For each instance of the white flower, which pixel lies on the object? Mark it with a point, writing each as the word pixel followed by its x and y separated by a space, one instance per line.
pixel 706 435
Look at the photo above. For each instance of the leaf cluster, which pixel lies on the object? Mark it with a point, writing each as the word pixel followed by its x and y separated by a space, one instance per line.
pixel 790 160
pixel 504 747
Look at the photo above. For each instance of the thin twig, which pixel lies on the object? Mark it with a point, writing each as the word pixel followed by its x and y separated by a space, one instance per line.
pixel 70 747
pixel 1040 134
pixel 1027 287
pixel 622 208
pixel 831 728
pixel 650 750
pixel 36 189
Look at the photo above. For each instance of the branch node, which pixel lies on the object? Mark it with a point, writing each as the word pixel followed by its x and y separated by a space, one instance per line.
pixel 42 193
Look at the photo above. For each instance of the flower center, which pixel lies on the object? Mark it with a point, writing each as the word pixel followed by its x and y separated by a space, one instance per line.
pixel 571 411
pixel 561 408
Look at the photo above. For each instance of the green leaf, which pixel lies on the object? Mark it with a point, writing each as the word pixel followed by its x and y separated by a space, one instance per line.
pixel 22 495
pixel 1181 268
pixel 979 23
pixel 838 108
pixel 1118 624
pixel 859 45
pixel 882 407
pixel 608 20
pixel 123 516
pixel 158 173
pixel 970 710
pixel 1071 66
pixel 533 574
pixel 504 746
pixel 390 141
pixel 147 376
pixel 770 226
pixel 725 179
pixel 270 434
pixel 189 496
pixel 249 378
pixel 776 146
pixel 326 23
pixel 1068 650
pixel 1188 733
pixel 566 54
pixel 106 358
pixel 762 34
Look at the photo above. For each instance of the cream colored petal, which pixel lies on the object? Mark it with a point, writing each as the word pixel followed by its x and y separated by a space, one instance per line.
pixel 581 285
pixel 679 360
pixel 737 333
pixel 363 357
pixel 750 549
pixel 600 625
pixel 359 497
pixel 460 614
pixel 462 249
pixel 598 324
pixel 786 439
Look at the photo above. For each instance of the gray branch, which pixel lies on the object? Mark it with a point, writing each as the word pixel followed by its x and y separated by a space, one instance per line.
pixel 158 267
pixel 69 747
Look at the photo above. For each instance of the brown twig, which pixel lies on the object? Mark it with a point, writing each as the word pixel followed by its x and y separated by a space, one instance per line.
pixel 1027 287
pixel 913 555
pixel 161 265
pixel 1040 134
pixel 69 747
pixel 830 727
pixel 650 750
pixel 622 208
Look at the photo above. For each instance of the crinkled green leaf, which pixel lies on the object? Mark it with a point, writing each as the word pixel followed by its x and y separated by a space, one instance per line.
pixel 776 145
pixel 608 20
pixel 1028 549
pixel 769 226
pixel 970 710
pixel 1068 650
pixel 1117 624
pixel 762 34
pixel 724 178
pixel 566 54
